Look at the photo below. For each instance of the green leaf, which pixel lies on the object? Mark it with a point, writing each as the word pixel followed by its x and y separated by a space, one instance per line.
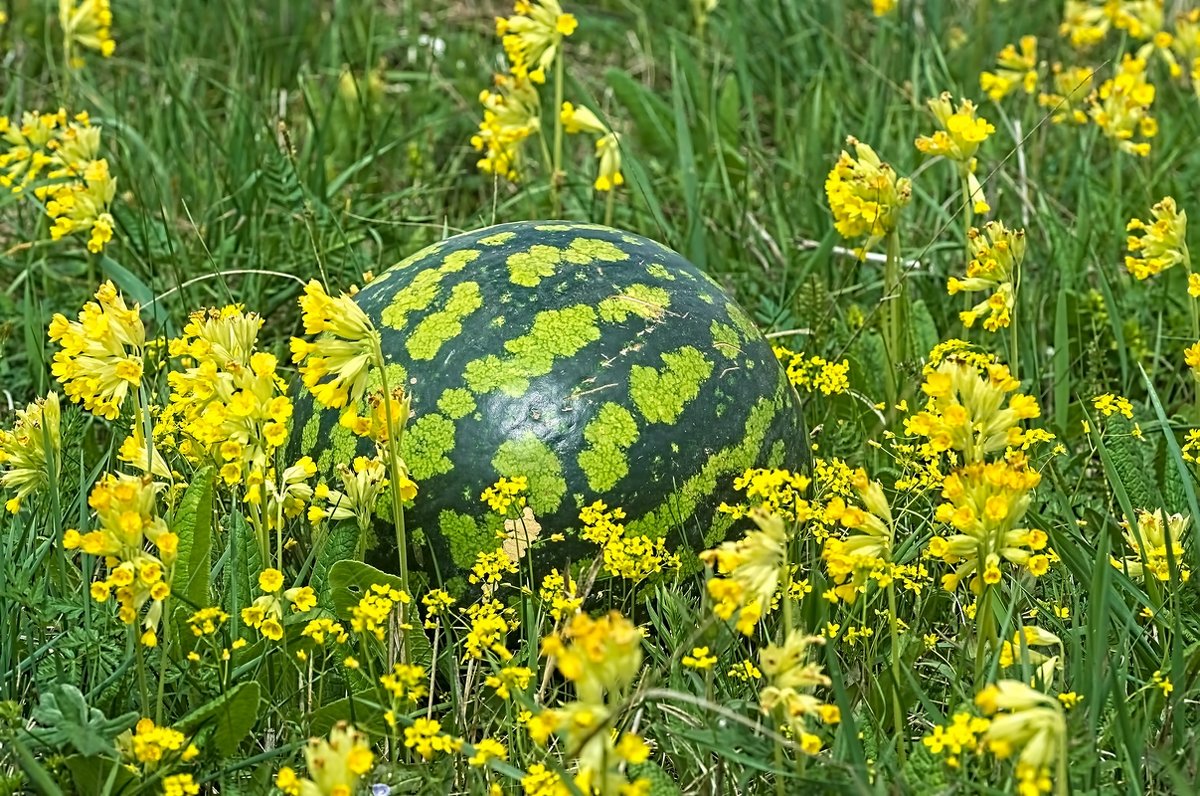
pixel 63 717
pixel 232 715
pixel 651 115
pixel 339 544
pixel 98 776
pixel 243 564
pixel 39 777
pixel 349 580
pixel 364 714
pixel 1131 462
pixel 193 523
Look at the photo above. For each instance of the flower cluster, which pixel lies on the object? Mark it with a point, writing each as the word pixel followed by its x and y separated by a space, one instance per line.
pixel 60 158
pixel 29 453
pixel 996 255
pixel 814 374
pixel 790 677
pixel 153 746
pixel 126 521
pixel 1013 68
pixel 775 490
pixel 265 614
pixel 630 557
pixel 1121 107
pixel 601 658
pixel 335 765
pixel 958 139
pixel 335 366
pixel 1158 243
pixel 533 35
pixel 865 552
pixel 1149 541
pixel 228 405
pixel 86 24
pixel 865 194
pixel 748 570
pixel 100 360
pixel 608 147
pixel 510 117
pixel 1028 724
pixel 1070 88
pixel 373 612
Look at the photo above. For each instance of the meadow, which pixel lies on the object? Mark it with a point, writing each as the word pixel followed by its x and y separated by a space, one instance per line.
pixel 962 225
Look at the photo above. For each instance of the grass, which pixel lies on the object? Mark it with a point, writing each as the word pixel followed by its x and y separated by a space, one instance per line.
pixel 247 164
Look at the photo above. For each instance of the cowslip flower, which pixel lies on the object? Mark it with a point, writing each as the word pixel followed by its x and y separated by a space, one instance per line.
pixel 1013 68
pixel 958 140
pixel 749 571
pixel 100 361
pixel 601 657
pixel 1085 23
pixel 966 411
pixel 126 521
pixel 1070 88
pixel 1162 242
pixel 996 255
pixel 1028 724
pixel 865 194
pixel 533 35
pixel 363 483
pixel 866 550
pixel 265 614
pixel 608 146
pixel 1149 545
pixel 29 453
pixel 84 205
pixel 510 117
pixel 1121 107
pixel 335 366
pixel 791 676
pixel 334 765
pixel 86 24
pixel 1020 650
pixel 27 151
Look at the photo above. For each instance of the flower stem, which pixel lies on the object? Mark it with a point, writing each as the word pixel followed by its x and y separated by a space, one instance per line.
pixel 893 300
pixel 393 451
pixel 556 165
pixel 1014 351
pixel 898 717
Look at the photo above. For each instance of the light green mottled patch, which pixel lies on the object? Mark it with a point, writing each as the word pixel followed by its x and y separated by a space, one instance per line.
pixel 742 321
pixel 397 376
pixel 679 506
pixel 555 333
pixel 311 430
pixel 418 294
pixel 466 537
pixel 529 268
pixel 445 324
pixel 425 445
pixel 555 227
pixel 499 239
pixel 532 458
pixel 338 448
pixel 661 395
pixel 585 250
pixel 778 452
pixel 725 339
pixel 706 298
pixel 638 299
pixel 456 403
pixel 659 271
pixel 608 435
pixel 456 261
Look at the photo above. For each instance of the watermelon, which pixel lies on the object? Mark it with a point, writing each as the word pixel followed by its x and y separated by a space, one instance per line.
pixel 598 364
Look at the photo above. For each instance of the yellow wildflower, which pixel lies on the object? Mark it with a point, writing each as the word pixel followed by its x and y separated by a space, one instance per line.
pixel 533 35
pixel 1025 723
pixel 1162 243
pixel 699 659
pixel 1121 107
pixel 1071 87
pixel 335 366
pixel 100 361
pixel 996 255
pixel 510 116
pixel 790 676
pixel 29 453
pixel 865 195
pixel 86 24
pixel 1013 69
pixel 749 569
pixel 958 140
pixel 1149 545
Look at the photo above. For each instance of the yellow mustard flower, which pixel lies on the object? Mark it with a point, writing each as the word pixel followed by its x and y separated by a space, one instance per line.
pixel 700 658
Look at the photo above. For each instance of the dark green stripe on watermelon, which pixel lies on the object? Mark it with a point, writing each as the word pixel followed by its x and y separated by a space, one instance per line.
pixel 599 364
